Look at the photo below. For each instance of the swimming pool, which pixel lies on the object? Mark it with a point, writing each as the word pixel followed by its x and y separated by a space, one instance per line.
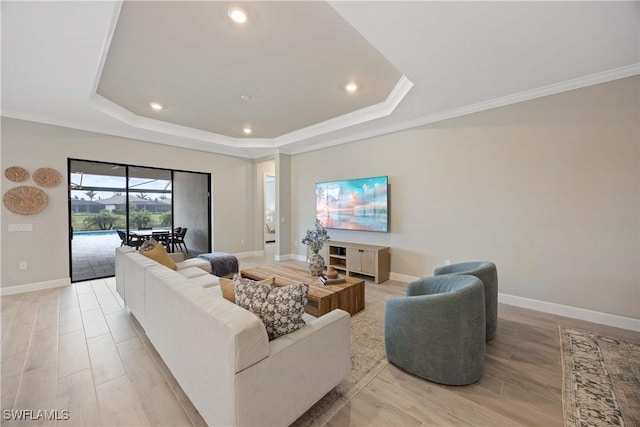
pixel 94 232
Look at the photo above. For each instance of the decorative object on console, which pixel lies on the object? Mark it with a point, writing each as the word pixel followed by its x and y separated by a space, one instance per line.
pixel 331 278
pixel 25 200
pixel 47 177
pixel 315 238
pixel 16 173
pixel 325 281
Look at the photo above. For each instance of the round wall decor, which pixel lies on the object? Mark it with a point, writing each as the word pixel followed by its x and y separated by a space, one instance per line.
pixel 16 173
pixel 25 200
pixel 47 177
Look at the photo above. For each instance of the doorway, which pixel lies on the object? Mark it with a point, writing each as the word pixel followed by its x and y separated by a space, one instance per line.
pixel 269 209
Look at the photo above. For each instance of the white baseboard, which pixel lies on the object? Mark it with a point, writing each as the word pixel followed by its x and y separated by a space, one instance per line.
pixel 287 257
pixel 402 277
pixel 573 312
pixel 38 286
pixel 553 308
pixel 247 254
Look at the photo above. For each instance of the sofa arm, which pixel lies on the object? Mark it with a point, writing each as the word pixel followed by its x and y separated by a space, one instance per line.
pixel 302 367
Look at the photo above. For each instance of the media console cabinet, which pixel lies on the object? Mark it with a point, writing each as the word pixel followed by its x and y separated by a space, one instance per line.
pixel 369 260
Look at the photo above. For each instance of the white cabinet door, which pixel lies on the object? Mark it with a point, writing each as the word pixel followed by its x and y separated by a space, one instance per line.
pixel 354 260
pixel 368 262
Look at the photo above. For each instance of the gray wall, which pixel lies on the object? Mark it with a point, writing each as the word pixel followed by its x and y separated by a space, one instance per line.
pixel 190 208
pixel 32 146
pixel 547 189
pixel 284 178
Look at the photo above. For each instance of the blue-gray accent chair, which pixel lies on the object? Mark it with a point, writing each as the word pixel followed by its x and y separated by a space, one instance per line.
pixel 438 330
pixel 488 274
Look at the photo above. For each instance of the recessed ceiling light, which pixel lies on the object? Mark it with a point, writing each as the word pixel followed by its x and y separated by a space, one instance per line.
pixel 247 131
pixel 238 15
pixel 156 106
pixel 351 87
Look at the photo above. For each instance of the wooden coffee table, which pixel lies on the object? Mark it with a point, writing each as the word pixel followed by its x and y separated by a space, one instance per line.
pixel 347 296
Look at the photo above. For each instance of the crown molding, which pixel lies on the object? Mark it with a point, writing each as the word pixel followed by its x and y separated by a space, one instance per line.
pixel 155 131
pixel 553 89
pixel 376 111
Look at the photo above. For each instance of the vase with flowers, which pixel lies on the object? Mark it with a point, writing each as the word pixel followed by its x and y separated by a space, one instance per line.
pixel 315 239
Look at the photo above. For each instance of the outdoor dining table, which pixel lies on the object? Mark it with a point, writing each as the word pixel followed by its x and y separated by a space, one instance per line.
pixel 146 233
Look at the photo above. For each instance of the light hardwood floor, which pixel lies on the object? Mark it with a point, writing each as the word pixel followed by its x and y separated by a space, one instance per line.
pixel 78 349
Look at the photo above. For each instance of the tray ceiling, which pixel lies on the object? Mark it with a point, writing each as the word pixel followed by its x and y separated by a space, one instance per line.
pixel 97 65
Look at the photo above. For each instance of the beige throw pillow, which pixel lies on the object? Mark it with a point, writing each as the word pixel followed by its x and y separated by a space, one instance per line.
pixel 159 254
pixel 226 286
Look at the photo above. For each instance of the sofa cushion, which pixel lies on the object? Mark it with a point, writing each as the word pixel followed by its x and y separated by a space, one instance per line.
pixel 194 262
pixel 227 287
pixel 279 307
pixel 159 254
pixel 192 272
pixel 206 281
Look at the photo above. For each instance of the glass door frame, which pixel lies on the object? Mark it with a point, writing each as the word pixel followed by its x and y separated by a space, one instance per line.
pixel 127 192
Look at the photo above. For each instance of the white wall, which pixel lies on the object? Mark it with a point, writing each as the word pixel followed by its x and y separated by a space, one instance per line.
pixel 32 146
pixel 548 189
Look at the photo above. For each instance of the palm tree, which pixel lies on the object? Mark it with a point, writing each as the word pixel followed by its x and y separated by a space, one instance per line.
pixel 141 219
pixel 102 220
pixel 91 194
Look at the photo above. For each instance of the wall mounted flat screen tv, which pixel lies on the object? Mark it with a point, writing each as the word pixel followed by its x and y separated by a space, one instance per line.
pixel 354 204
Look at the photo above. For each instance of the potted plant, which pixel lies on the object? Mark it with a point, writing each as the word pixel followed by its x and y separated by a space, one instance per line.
pixel 315 239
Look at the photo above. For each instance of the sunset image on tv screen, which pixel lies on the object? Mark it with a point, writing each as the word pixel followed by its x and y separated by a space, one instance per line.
pixel 354 204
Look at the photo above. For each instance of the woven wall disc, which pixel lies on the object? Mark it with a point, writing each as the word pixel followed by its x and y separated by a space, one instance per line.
pixel 47 177
pixel 16 173
pixel 25 200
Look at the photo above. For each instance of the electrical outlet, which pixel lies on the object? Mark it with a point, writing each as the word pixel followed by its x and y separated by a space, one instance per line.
pixel 23 265
pixel 447 262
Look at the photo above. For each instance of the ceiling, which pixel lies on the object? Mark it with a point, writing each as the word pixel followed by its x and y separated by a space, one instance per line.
pixel 97 65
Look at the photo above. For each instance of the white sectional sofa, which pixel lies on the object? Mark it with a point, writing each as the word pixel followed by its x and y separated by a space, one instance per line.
pixel 220 353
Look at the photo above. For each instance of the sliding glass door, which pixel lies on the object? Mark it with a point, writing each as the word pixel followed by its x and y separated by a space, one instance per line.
pixel 115 204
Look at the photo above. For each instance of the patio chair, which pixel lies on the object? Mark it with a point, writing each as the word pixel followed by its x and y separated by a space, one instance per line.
pixel 132 241
pixel 178 239
pixel 161 237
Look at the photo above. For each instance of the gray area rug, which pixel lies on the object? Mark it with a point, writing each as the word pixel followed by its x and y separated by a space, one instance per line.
pixel 601 380
pixel 368 358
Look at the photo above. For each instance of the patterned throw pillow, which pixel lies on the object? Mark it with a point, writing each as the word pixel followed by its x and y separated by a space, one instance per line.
pixel 226 286
pixel 148 245
pixel 279 308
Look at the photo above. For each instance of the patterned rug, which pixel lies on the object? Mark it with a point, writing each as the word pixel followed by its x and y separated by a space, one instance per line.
pixel 601 380
pixel 368 359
